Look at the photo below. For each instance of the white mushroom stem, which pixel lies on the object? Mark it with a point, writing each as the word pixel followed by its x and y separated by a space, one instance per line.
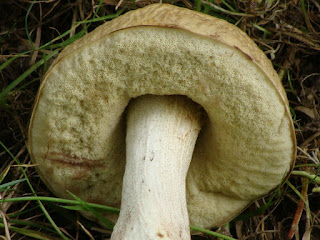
pixel 161 135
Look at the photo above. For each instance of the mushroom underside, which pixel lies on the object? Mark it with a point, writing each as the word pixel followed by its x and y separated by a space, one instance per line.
pixel 77 131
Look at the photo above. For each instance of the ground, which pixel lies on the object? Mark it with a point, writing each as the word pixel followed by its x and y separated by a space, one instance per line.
pixel 287 31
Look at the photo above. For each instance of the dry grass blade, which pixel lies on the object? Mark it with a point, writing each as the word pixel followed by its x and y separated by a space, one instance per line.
pixel 294 230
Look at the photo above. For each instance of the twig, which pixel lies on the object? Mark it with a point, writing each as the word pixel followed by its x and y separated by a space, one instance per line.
pixel 294 230
pixel 6 226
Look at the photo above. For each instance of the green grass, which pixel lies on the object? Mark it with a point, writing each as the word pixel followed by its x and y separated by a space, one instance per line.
pixel 77 205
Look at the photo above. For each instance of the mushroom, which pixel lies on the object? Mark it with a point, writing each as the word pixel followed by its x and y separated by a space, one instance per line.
pixel 175 115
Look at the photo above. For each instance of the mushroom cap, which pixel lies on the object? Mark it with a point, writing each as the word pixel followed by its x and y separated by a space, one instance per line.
pixel 247 143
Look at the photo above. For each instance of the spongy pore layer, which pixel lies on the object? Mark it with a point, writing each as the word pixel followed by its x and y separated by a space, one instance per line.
pixel 77 132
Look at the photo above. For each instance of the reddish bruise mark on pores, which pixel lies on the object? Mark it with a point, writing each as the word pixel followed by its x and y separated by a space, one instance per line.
pixel 72 161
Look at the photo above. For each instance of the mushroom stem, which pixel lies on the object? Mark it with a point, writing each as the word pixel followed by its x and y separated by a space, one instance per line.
pixel 161 136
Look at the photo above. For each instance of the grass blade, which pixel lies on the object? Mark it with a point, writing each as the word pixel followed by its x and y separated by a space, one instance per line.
pixel 211 233
pixel 45 212
pixel 63 201
pixel 25 75
pixel 10 184
pixel 87 207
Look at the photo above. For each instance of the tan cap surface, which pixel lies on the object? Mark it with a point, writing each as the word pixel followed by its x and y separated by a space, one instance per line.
pixel 77 130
